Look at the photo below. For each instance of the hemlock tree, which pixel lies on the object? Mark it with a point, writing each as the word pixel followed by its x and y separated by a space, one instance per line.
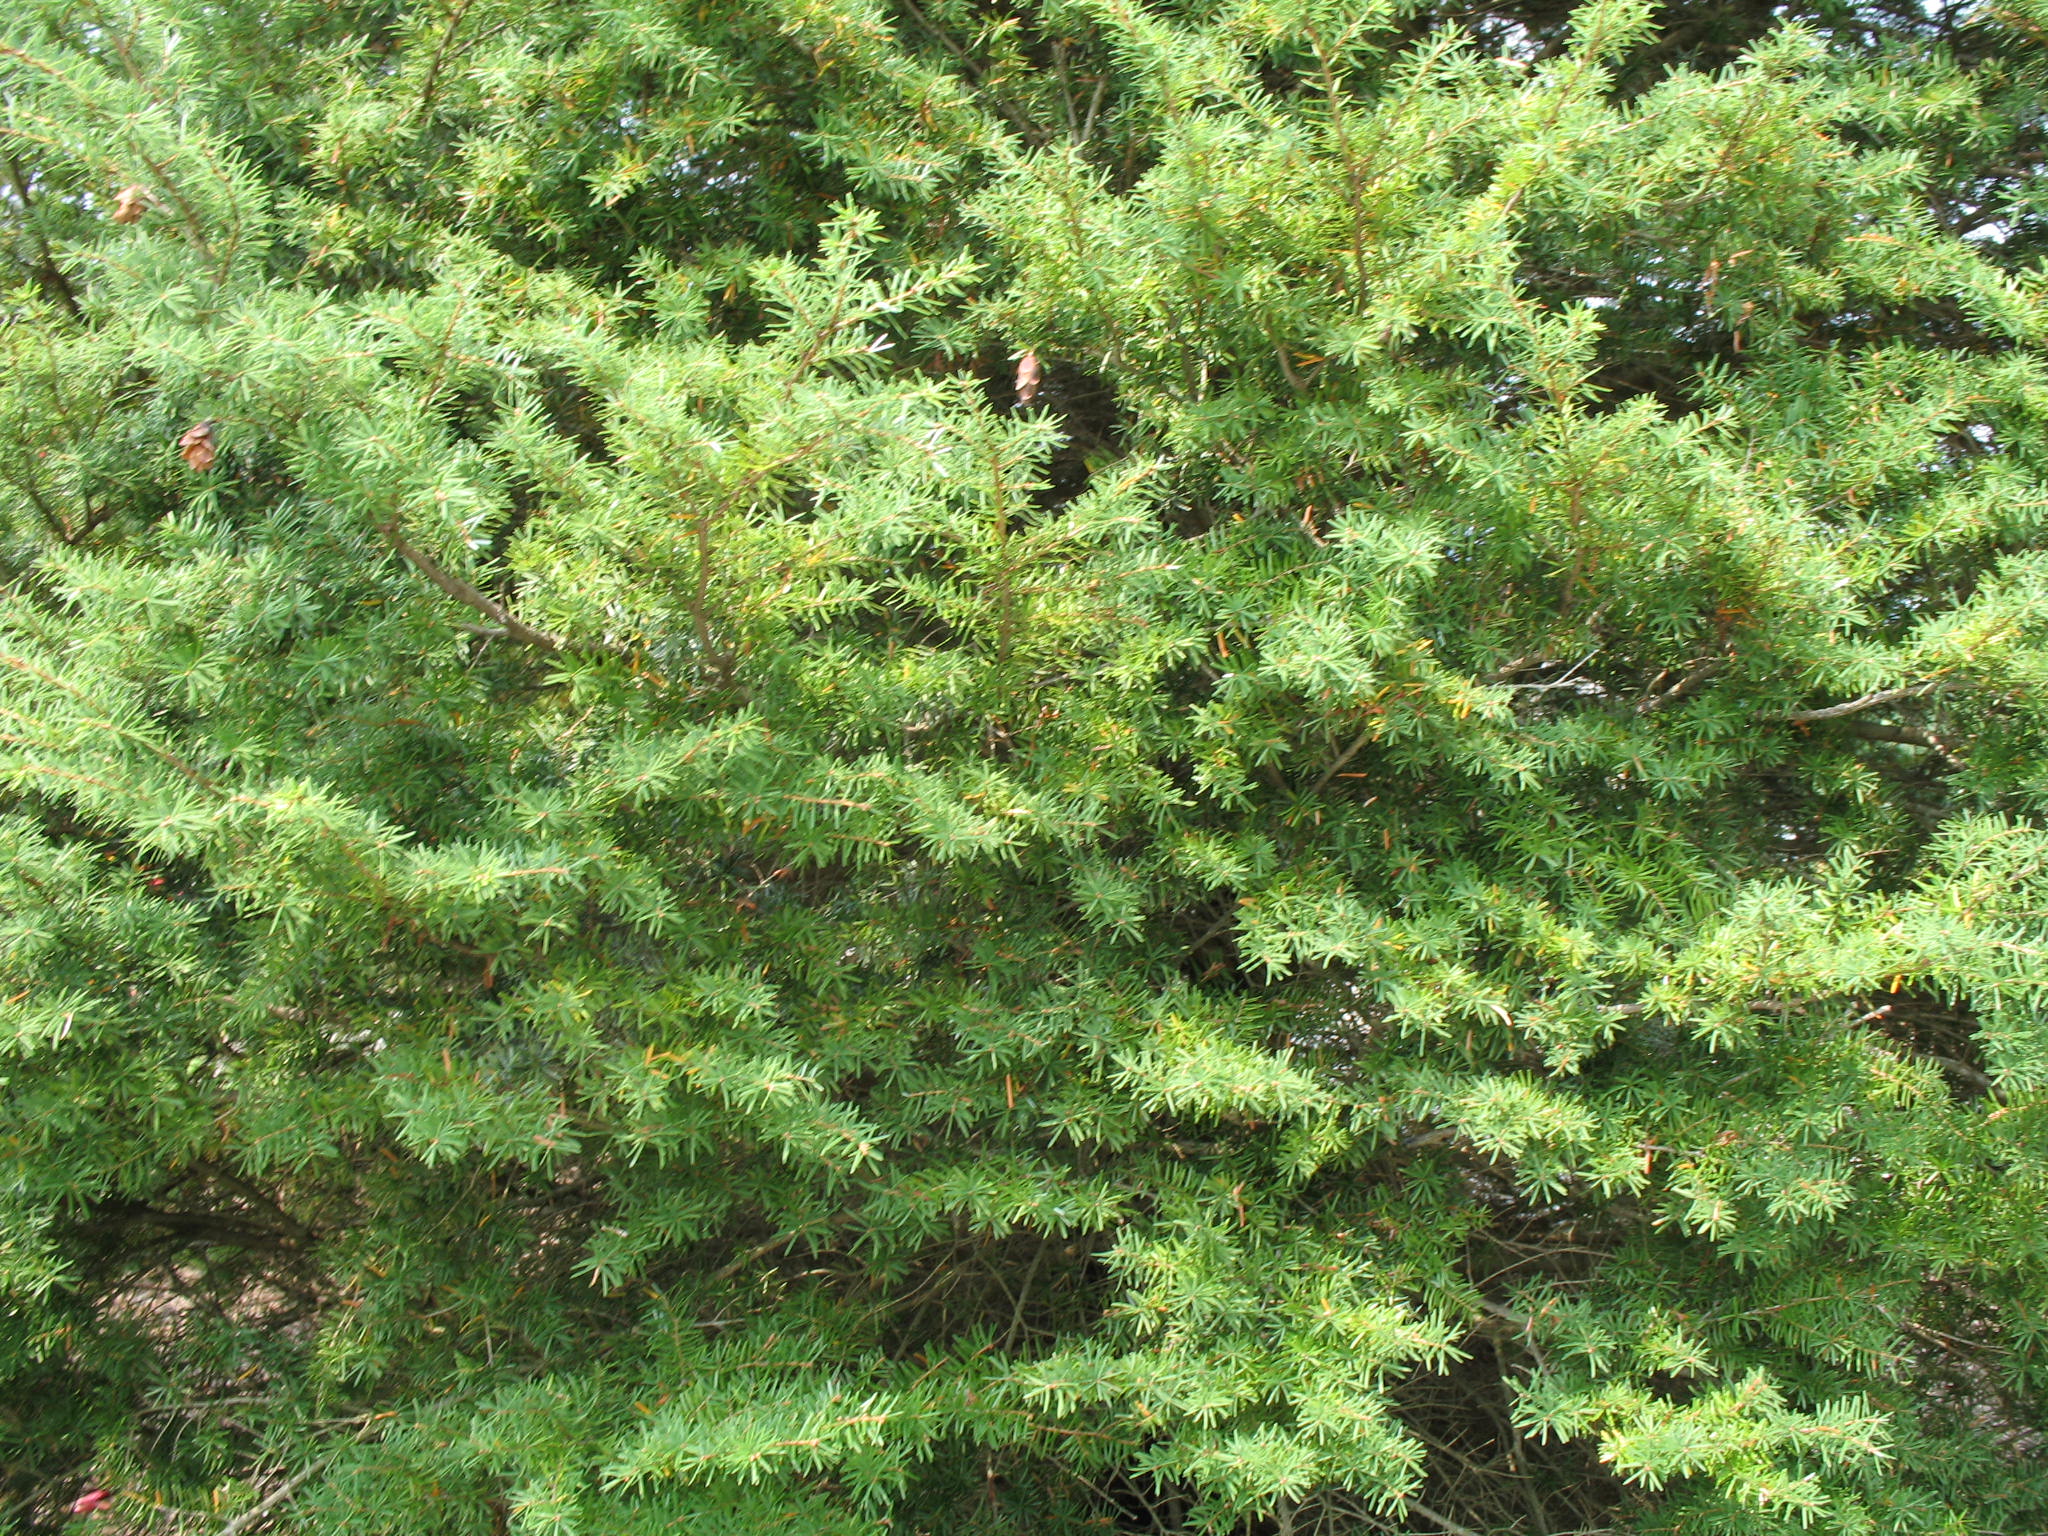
pixel 821 767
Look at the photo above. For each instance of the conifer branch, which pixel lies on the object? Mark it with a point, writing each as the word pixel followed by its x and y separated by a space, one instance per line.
pixel 55 521
pixel 1870 700
pixel 508 623
pixel 1450 1526
pixel 1216 929
pixel 1904 734
pixel 433 80
pixel 1699 673
pixel 162 753
pixel 1527 662
pixel 1983 1082
pixel 1033 133
pixel 1337 764
pixel 51 275
pixel 756 1253
pixel 249 1519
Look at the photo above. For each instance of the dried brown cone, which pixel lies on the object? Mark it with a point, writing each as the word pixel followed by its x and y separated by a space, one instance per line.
pixel 198 447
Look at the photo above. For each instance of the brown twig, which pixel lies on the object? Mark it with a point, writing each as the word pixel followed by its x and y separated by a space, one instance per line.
pixel 1700 672
pixel 248 1519
pixel 1450 1526
pixel 1342 758
pixel 508 623
pixel 433 80
pixel 1907 735
pixel 1857 706
pixel 51 275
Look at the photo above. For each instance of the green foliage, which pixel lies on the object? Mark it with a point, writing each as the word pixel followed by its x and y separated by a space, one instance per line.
pixel 827 767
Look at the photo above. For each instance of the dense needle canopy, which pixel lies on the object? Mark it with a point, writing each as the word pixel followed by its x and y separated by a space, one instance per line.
pixel 969 766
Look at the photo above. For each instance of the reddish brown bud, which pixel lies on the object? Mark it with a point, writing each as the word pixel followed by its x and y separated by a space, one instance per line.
pixel 129 204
